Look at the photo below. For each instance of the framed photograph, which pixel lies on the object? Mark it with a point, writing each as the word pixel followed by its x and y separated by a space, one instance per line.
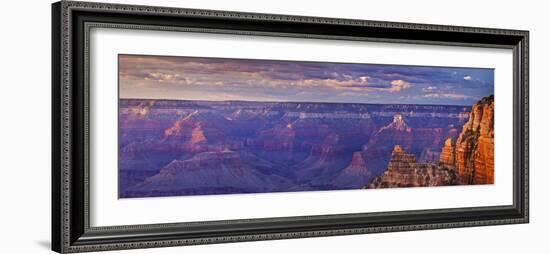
pixel 181 126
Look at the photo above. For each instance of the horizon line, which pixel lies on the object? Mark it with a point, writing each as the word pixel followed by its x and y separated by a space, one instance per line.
pixel 318 102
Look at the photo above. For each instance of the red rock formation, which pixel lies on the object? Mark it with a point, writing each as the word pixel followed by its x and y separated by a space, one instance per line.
pixel 470 161
pixel 447 156
pixel 197 135
pixel 422 141
pixel 280 138
pixel 398 124
pixel 357 161
pixel 178 127
pixel 400 161
pixel 140 111
pixel 193 134
pixel 475 145
pixel 355 174
pixel 404 171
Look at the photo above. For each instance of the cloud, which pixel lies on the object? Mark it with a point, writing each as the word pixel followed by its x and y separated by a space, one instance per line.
pixel 162 77
pixel 361 83
pixel 398 85
pixel 141 76
pixel 455 96
pixel 429 89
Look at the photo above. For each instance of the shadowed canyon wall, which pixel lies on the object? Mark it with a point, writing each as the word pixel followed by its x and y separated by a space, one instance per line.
pixel 170 147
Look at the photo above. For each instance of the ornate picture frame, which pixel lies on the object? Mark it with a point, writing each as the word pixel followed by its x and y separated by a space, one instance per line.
pixel 71 196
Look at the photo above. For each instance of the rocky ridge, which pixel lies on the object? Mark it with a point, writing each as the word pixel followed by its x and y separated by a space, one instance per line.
pixel 469 161
pixel 404 171
pixel 475 145
pixel 355 174
pixel 171 147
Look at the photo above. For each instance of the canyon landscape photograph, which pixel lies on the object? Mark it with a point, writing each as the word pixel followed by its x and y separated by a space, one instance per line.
pixel 205 126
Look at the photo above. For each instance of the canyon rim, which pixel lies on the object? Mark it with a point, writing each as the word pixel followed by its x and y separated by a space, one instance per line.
pixel 204 126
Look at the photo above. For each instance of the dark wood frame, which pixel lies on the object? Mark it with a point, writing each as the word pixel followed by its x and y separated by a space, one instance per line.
pixel 71 22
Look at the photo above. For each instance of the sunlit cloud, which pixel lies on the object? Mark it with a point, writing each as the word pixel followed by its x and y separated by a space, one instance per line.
pixel 162 77
pixel 398 85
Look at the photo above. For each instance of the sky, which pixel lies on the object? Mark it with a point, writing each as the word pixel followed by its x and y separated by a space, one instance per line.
pixel 221 79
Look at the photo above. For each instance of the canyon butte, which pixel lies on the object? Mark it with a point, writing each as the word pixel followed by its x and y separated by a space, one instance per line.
pixel 176 147
pixel 469 161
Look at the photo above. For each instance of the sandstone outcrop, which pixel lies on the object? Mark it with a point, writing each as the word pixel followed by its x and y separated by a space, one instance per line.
pixel 404 171
pixel 475 145
pixel 447 156
pixel 469 161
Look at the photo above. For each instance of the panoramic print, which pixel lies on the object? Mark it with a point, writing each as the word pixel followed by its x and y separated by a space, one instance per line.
pixel 204 126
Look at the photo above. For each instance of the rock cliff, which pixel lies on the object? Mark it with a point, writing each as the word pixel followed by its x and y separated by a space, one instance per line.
pixel 474 151
pixel 178 147
pixel 447 156
pixel 404 171
pixel 469 161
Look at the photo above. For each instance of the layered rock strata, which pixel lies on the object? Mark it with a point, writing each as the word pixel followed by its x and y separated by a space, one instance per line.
pixel 475 145
pixel 447 156
pixel 469 161
pixel 355 174
pixel 404 171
